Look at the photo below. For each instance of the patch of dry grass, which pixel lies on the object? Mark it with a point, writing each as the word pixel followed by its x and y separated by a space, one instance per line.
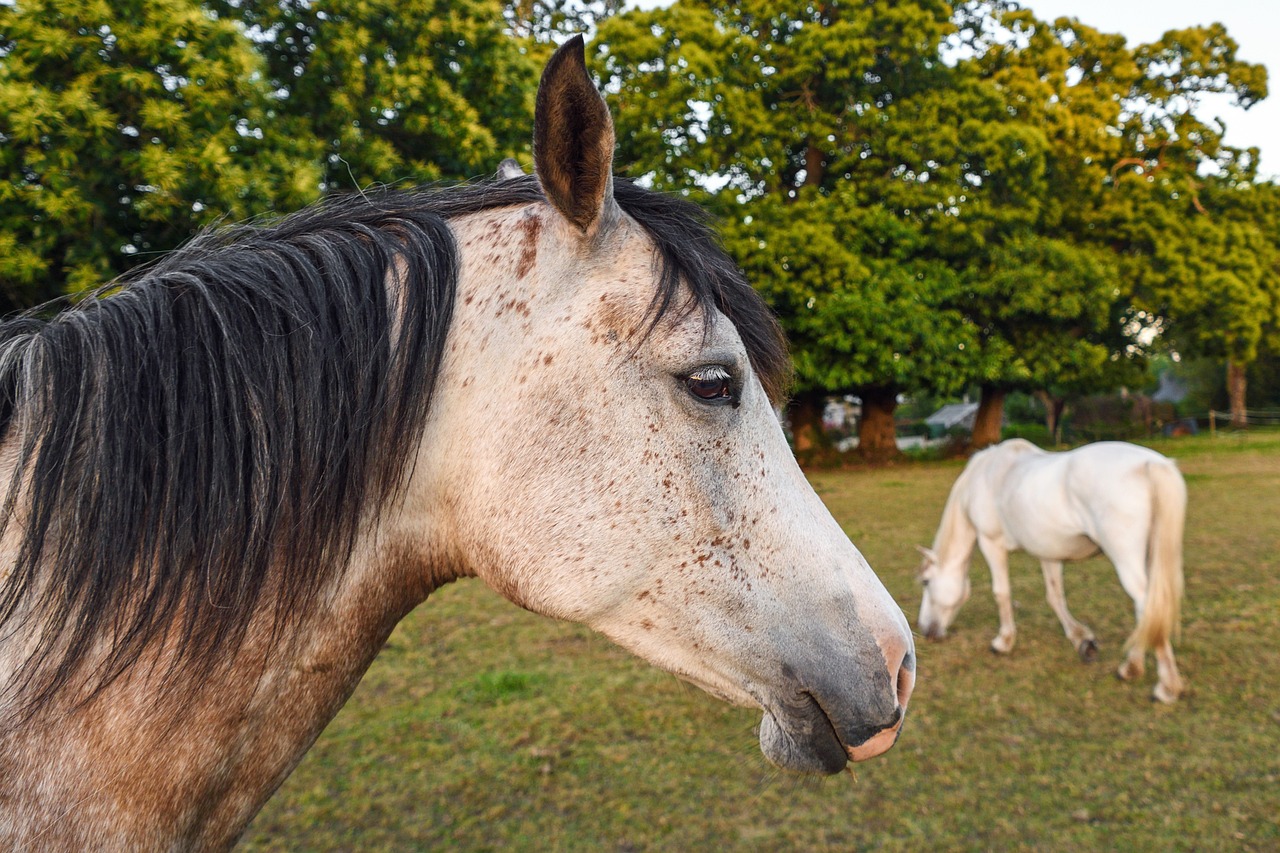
pixel 482 727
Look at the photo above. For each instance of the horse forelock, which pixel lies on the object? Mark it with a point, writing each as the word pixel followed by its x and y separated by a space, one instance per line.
pixel 215 429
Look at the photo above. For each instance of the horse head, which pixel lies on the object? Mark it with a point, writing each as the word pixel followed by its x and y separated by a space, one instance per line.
pixel 946 589
pixel 606 451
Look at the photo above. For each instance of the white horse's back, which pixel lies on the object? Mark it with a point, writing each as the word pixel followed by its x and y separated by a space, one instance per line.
pixel 1068 506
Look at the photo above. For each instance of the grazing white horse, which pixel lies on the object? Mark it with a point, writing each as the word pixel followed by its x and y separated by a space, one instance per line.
pixel 1125 501
pixel 223 484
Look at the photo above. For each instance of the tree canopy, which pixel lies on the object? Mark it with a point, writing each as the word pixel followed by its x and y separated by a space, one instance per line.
pixel 124 127
pixel 928 195
pixel 933 196
pixel 410 90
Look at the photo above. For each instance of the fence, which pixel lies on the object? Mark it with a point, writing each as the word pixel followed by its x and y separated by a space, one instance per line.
pixel 1252 417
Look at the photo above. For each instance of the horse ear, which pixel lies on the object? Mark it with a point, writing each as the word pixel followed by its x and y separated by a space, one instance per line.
pixel 509 169
pixel 573 139
pixel 928 553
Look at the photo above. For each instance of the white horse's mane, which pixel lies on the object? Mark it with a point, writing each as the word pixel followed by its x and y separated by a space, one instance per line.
pixel 955 524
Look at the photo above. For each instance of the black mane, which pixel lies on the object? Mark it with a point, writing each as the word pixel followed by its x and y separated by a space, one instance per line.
pixel 222 422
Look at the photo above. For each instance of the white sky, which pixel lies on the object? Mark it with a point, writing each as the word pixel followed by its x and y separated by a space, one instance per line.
pixel 1254 24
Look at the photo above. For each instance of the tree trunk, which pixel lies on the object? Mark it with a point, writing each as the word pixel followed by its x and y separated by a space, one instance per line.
pixel 990 418
pixel 877 432
pixel 810 439
pixel 1054 409
pixel 1236 384
pixel 814 167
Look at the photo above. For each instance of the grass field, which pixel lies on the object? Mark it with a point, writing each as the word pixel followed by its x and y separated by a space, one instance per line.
pixel 483 727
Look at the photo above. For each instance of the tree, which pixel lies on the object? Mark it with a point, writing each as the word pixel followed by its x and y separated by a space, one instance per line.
pixel 864 305
pixel 843 153
pixel 417 90
pixel 546 22
pixel 1214 274
pixel 124 127
pixel 1110 116
pixel 1057 315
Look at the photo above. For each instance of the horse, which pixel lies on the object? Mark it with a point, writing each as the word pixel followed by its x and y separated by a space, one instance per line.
pixel 1118 499
pixel 226 478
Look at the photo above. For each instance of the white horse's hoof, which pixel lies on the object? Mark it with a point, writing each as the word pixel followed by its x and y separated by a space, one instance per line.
pixel 1088 650
pixel 1002 645
pixel 1165 695
pixel 1129 670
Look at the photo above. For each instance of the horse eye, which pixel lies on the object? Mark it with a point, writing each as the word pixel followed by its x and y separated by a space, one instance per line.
pixel 711 384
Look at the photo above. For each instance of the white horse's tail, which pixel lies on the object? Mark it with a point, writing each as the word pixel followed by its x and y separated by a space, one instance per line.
pixel 1160 613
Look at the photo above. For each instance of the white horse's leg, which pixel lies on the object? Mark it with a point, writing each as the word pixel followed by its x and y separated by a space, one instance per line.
pixel 998 561
pixel 1080 635
pixel 1170 685
pixel 1133 577
pixel 1133 665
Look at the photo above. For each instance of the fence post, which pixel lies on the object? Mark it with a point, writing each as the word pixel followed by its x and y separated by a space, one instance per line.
pixel 1212 425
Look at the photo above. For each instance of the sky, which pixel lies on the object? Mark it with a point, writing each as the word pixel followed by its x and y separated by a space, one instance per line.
pixel 1254 24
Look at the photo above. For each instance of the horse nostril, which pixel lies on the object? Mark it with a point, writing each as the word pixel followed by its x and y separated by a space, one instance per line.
pixel 859 735
pixel 902 672
pixel 906 681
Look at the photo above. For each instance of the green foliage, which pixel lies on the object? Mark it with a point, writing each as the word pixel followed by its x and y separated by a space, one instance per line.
pixel 919 226
pixel 832 139
pixel 1012 219
pixel 416 90
pixel 547 21
pixel 124 127
pixel 1123 158
pixel 1206 257
pixel 1216 271
pixel 1049 317
pixel 865 305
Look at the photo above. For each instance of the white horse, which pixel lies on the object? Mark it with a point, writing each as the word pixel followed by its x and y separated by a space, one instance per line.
pixel 224 483
pixel 1125 501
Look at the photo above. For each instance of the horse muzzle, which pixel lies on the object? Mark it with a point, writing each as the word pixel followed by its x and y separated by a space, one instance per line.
pixel 932 629
pixel 821 730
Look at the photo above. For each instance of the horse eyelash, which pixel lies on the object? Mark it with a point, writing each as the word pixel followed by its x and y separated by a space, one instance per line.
pixel 711 371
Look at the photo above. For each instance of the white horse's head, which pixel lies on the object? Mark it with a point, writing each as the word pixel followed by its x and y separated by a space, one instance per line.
pixel 601 454
pixel 946 589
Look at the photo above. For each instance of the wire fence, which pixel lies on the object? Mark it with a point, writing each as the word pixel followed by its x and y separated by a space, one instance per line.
pixel 1252 417
pixel 1212 421
pixel 916 434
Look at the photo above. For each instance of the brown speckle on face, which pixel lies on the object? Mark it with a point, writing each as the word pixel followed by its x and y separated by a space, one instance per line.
pixel 530 225
pixel 618 316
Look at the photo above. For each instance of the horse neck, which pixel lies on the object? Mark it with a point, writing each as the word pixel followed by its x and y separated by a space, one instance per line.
pixel 956 534
pixel 187 764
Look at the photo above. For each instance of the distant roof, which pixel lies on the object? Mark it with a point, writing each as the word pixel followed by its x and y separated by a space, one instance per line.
pixel 1171 390
pixel 953 414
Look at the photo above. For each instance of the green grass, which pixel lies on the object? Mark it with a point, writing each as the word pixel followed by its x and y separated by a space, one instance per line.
pixel 483 727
